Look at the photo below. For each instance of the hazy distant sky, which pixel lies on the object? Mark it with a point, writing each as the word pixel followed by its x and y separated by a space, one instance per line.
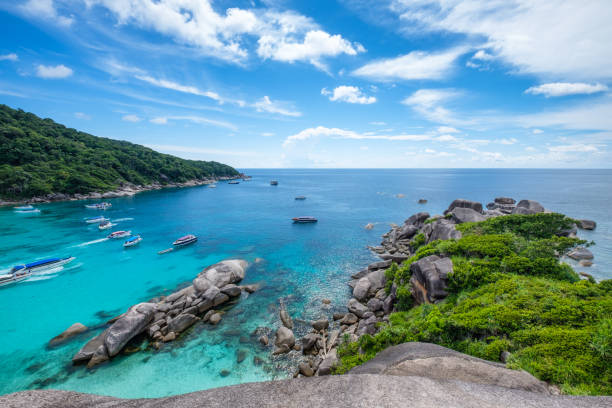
pixel 349 83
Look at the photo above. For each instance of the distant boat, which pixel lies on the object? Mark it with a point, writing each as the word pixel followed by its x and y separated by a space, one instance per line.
pixel 135 240
pixel 31 211
pixel 304 220
pixel 422 201
pixel 98 206
pixel 186 240
pixel 104 225
pixel 234 182
pixel 300 198
pixel 212 186
pixel 24 208
pixel 274 183
pixel 99 218
pixel 119 234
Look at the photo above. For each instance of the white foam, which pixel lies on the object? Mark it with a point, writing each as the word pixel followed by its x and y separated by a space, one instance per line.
pixel 96 241
pixel 123 219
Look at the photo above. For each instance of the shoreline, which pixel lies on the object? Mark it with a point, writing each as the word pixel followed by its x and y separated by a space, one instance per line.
pixel 126 190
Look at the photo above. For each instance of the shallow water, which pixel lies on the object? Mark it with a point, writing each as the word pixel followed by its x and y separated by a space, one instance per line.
pixel 302 264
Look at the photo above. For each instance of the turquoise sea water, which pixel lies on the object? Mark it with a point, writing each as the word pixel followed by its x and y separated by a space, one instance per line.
pixel 300 264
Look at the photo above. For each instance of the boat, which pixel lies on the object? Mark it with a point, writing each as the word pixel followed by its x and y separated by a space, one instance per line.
pixel 24 208
pixel 43 264
pixel 274 183
pixel 135 240
pixel 212 186
pixel 32 211
pixel 165 251
pixel 98 206
pixel 104 225
pixel 119 234
pixel 300 198
pixel 8 278
pixel 186 240
pixel 234 182
pixel 98 219
pixel 304 220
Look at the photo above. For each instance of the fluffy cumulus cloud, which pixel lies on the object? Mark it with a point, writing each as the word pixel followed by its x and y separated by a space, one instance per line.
pixel 282 36
pixel 53 72
pixel 415 65
pixel 47 10
pixel 265 104
pixel 131 118
pixel 565 88
pixel 349 94
pixel 554 38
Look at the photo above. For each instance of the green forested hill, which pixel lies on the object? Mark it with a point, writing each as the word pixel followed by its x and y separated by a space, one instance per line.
pixel 39 156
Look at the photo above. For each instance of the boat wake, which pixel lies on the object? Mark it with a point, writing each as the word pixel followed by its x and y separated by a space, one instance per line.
pixel 123 219
pixel 41 278
pixel 96 241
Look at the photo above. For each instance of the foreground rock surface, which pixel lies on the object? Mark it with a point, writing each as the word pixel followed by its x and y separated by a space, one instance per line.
pixel 359 390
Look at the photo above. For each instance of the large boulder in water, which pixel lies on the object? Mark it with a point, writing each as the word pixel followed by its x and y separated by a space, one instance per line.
pixel 88 350
pixel 72 331
pixel 461 215
pixel 128 326
pixel 284 337
pixel 528 207
pixel 362 288
pixel 182 322
pixel 462 203
pixel 225 272
pixel 587 224
pixel 580 253
pixel 429 279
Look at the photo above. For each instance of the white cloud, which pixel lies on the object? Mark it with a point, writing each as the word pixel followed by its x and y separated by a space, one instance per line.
pixel 537 131
pixel 53 72
pixel 162 83
pixel 510 141
pixel 378 123
pixel 45 9
pixel 584 148
pixel 81 115
pixel 131 118
pixel 555 38
pixel 349 94
pixel 282 36
pixel 415 65
pixel 482 55
pixel 265 104
pixel 428 102
pixel 163 120
pixel 594 115
pixel 322 131
pixel 565 88
pixel 530 149
pixel 447 129
pixel 267 134
pixel 9 57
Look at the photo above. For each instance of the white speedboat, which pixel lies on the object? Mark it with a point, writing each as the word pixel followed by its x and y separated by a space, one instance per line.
pixel 23 208
pixel 98 206
pixel 104 225
pixel 119 234
pixel 14 277
pixel 30 211
pixel 95 219
pixel 135 240
pixel 186 240
pixel 43 264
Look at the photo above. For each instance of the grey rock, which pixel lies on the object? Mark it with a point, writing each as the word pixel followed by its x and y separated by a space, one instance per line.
pixel 379 265
pixel 220 299
pixel 309 341
pixel 320 324
pixel 70 332
pixel 356 308
pixel 429 278
pixel 181 322
pixel 306 370
pixel 88 350
pixel 587 224
pixel 528 207
pixel 417 219
pixel 377 280
pixel 388 304
pixel 210 293
pixel 580 253
pixel 362 273
pixel 286 319
pixel 505 200
pixel 397 258
pixel 205 305
pixel 349 319
pixel 128 326
pixel 461 215
pixel 99 356
pixel 441 229
pixel 367 326
pixel 437 362
pixel 231 290
pixel 264 340
pixel 462 203
pixel 362 288
pixel 338 391
pixel 406 232
pixel 152 330
pixel 375 304
pixel 328 363
pixel 225 272
pixel 215 318
pixel 284 337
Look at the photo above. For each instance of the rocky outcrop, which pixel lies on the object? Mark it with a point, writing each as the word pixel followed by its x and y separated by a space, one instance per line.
pixel 462 203
pixel 580 253
pixel 163 319
pixel 587 224
pixel 441 229
pixel 528 207
pixel 461 215
pixel 414 375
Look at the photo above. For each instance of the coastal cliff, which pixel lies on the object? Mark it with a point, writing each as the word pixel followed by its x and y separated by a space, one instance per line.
pixel 43 159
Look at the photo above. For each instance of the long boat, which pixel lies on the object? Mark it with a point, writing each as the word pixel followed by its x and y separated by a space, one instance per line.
pixel 8 278
pixel 23 208
pixel 186 240
pixel 98 206
pixel 119 234
pixel 43 264
pixel 304 220
pixel 99 218
pixel 135 240
pixel 274 183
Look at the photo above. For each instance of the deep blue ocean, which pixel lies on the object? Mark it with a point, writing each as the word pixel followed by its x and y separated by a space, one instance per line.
pixel 300 264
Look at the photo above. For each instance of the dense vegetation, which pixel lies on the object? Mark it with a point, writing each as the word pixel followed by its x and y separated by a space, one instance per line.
pixel 39 156
pixel 509 292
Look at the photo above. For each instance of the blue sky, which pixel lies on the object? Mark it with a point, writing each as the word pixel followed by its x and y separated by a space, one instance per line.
pixel 348 83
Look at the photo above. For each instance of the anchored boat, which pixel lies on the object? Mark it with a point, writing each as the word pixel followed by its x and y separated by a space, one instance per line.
pixel 119 234
pixel 304 220
pixel 274 183
pixel 135 240
pixel 300 198
pixel 98 206
pixel 104 225
pixel 186 240
pixel 24 208
pixel 233 182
